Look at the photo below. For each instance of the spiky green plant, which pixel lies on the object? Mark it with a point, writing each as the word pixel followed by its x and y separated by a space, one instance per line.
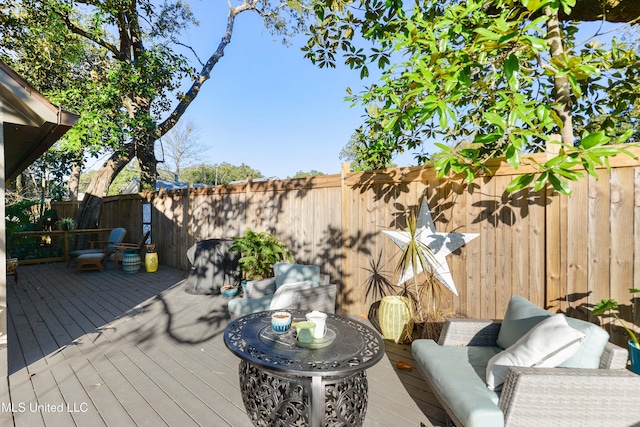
pixel 415 255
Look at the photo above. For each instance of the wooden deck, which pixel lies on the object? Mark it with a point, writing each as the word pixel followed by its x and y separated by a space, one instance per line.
pixel 110 349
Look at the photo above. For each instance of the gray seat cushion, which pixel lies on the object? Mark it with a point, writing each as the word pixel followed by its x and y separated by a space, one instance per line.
pixel 458 375
pixel 242 306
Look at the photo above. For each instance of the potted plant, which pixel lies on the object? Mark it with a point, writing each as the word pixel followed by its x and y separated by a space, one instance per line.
pixel 259 251
pixel 608 305
pixel 229 291
pixel 66 224
pixel 418 301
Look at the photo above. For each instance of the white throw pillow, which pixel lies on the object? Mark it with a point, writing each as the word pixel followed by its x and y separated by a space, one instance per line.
pixel 283 297
pixel 546 345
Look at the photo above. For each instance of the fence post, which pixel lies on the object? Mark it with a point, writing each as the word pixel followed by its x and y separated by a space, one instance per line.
pixel 345 215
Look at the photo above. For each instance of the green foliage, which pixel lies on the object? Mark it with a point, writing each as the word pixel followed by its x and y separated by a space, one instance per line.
pixel 312 172
pixel 366 155
pixel 259 252
pixel 124 178
pixel 21 216
pixel 607 305
pixel 218 174
pixel 476 76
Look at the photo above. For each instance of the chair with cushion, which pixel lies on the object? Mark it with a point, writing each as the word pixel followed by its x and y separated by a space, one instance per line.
pixel 531 368
pixel 106 247
pixel 129 248
pixel 294 286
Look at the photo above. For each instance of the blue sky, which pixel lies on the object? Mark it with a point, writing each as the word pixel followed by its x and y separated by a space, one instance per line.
pixel 265 104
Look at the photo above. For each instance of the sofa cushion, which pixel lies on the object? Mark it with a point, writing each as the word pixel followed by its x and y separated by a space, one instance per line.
pixel 589 354
pixel 457 374
pixel 290 273
pixel 546 345
pixel 521 316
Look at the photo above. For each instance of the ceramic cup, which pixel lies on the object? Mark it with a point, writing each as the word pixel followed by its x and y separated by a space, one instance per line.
pixel 304 331
pixel 281 322
pixel 319 319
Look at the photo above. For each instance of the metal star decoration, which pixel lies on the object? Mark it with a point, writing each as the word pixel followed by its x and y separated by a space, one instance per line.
pixel 441 245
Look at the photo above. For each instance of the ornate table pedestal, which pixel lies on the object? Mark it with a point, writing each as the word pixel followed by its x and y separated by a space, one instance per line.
pixel 284 383
pixel 273 398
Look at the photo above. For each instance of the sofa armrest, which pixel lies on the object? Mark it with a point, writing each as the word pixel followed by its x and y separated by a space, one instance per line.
pixel 321 298
pixel 546 396
pixel 260 288
pixel 614 357
pixel 469 332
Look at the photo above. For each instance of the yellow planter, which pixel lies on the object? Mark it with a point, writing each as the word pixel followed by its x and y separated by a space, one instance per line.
pixel 396 318
pixel 151 262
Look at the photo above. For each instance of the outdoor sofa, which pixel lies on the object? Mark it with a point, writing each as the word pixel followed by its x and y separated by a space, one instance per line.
pixel 294 286
pixel 590 388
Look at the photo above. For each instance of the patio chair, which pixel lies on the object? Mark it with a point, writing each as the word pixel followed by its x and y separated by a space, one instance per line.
pixel 129 248
pixel 106 247
pixel 294 286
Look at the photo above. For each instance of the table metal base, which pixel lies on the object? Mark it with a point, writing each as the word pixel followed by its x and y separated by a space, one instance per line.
pixel 276 399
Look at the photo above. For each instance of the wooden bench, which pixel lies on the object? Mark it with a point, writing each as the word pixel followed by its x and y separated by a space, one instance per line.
pixel 90 262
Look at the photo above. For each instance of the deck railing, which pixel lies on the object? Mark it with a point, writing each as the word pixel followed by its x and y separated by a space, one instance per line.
pixel 34 247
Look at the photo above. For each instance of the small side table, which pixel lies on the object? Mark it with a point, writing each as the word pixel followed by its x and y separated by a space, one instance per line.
pixel 286 384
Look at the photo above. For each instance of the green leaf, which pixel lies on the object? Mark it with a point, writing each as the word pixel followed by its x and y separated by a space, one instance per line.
pixel 593 139
pixel 496 120
pixel 559 185
pixel 511 66
pixel 520 182
pixel 625 136
pixel 488 34
pixel 513 156
pixel 603 306
pixel 541 182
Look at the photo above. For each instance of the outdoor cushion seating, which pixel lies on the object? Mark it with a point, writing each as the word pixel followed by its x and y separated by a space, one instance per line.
pixel 106 247
pixel 293 286
pixel 587 386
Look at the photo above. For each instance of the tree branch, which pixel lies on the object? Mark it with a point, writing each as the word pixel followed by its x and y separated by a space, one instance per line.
pixel 205 73
pixel 84 33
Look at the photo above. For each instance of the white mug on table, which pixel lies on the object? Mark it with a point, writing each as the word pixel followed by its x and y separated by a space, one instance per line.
pixel 319 319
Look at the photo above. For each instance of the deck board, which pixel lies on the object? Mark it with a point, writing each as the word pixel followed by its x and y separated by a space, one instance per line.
pixel 120 350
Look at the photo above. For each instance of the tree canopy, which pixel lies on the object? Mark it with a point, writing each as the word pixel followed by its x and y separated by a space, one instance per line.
pixel 483 79
pixel 123 67
pixel 218 174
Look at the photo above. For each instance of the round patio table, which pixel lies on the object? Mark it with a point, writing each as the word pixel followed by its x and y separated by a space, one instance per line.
pixel 323 383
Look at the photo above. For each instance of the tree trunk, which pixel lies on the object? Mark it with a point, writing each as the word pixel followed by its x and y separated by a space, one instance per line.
pixel 148 163
pixel 143 146
pixel 74 182
pixel 89 212
pixel 561 93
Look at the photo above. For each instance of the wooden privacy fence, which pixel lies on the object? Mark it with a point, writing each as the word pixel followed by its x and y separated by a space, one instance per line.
pixel 562 253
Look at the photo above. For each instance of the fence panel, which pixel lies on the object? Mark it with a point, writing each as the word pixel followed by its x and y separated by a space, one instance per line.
pixel 563 253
